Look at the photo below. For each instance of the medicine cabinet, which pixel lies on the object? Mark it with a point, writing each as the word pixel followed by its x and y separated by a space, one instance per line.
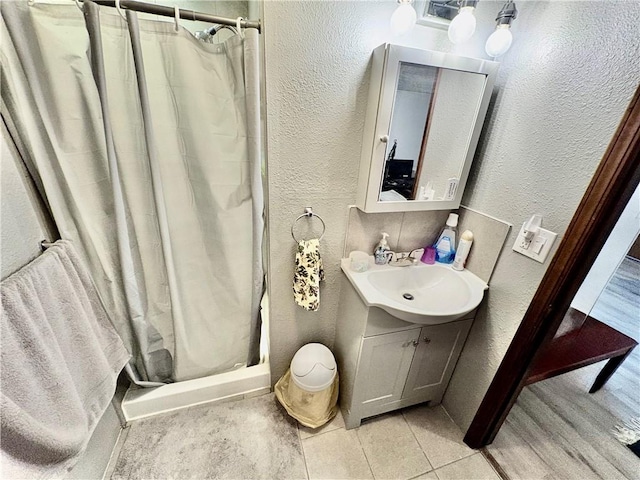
pixel 424 116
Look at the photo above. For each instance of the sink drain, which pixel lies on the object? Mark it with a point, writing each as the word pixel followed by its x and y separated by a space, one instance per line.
pixel 407 296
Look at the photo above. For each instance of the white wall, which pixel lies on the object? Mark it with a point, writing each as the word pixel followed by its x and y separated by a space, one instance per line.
pixel 624 233
pixel 407 124
pixel 560 93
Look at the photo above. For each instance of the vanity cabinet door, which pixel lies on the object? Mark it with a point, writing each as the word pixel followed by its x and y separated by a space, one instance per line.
pixel 384 364
pixel 434 360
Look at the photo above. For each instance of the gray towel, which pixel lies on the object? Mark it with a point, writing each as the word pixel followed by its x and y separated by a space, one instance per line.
pixel 60 360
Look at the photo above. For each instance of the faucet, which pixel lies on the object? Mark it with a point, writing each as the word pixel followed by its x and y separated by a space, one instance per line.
pixel 404 259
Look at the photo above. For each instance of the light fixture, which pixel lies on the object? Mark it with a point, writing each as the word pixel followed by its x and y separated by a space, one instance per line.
pixel 404 18
pixel 500 40
pixel 464 24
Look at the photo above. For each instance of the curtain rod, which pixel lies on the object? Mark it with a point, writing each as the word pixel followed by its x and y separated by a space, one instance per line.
pixel 184 14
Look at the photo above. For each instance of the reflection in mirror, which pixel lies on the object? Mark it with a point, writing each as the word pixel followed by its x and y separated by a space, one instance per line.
pixel 434 114
pixel 411 105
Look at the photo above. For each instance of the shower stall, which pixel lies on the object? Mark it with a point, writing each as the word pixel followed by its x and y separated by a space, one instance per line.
pixel 145 143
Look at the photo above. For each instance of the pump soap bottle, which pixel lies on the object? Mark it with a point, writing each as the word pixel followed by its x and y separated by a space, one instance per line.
pixel 445 245
pixel 381 253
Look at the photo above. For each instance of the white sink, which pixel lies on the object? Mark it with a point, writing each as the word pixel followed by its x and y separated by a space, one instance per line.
pixel 425 294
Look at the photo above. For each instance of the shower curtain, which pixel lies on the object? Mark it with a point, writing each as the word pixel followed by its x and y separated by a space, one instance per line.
pixel 146 145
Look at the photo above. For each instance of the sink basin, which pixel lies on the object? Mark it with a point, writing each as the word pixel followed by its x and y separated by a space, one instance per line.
pixel 424 294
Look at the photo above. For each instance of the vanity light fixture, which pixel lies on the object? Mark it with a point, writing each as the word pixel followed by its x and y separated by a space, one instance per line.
pixel 404 18
pixel 464 24
pixel 499 41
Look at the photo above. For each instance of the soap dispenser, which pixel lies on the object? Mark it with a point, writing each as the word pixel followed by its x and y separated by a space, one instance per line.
pixel 382 251
pixel 445 244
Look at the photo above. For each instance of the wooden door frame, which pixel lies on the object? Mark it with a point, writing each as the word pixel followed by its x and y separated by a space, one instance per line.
pixel 608 193
pixel 425 135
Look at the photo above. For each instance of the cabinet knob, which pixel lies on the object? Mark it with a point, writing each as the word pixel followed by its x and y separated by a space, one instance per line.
pixel 416 342
pixel 384 138
pixel 427 340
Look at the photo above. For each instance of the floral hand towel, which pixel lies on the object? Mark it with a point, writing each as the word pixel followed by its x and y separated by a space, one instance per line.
pixel 308 275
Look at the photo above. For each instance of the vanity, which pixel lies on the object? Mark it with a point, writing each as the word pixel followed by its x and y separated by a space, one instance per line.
pixel 401 330
pixel 399 334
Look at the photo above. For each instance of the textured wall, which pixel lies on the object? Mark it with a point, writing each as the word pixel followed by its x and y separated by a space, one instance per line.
pixel 316 70
pixel 560 92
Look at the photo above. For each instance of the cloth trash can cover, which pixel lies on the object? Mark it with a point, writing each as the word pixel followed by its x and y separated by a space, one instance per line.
pixel 313 367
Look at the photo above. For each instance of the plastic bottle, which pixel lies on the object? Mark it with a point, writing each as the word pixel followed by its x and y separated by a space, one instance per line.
pixel 381 253
pixel 466 239
pixel 445 245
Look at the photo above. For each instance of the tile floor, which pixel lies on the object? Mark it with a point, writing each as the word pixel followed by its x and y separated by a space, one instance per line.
pixel 255 438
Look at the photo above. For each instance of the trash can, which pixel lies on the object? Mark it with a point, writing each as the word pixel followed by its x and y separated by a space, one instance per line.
pixel 309 389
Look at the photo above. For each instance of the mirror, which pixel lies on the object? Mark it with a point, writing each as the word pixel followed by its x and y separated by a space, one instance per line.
pixel 434 110
pixel 425 113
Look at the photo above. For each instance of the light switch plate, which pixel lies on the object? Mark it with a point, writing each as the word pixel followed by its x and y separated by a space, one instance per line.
pixel 542 236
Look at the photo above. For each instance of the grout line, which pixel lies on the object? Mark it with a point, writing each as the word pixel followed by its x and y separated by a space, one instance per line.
pixel 419 444
pixel 458 459
pixel 115 453
pixel 324 431
pixel 474 452
pixel 304 457
pixel 423 473
pixel 364 453
pixel 448 416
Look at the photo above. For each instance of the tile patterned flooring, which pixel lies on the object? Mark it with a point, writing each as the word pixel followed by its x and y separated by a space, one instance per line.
pixel 557 430
pixel 255 438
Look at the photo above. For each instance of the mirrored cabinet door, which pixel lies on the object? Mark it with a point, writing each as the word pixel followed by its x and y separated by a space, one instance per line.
pixel 424 117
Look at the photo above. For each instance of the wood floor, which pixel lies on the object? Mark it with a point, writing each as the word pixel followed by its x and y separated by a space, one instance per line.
pixel 557 430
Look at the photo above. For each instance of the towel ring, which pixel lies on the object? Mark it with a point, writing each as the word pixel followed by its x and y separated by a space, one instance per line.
pixel 308 212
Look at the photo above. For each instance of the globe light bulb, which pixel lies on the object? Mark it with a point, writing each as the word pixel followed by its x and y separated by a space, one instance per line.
pixel 462 26
pixel 499 41
pixel 403 19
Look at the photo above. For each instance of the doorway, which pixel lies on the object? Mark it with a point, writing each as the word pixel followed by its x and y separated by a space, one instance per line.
pixel 565 426
pixel 603 202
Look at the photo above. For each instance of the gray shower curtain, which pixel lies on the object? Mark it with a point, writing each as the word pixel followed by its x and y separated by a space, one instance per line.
pixel 146 143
